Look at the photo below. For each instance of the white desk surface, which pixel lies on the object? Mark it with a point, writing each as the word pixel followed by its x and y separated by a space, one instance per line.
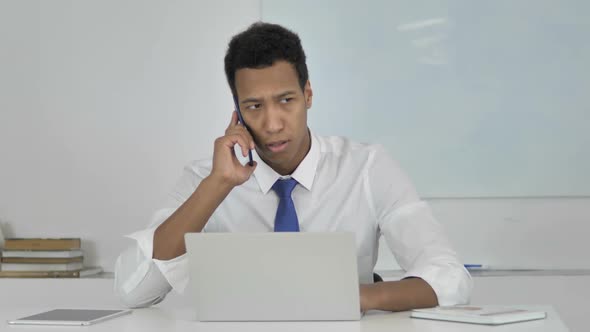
pixel 168 319
pixel 23 297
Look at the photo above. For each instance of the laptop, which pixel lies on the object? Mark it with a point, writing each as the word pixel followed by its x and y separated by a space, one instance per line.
pixel 273 276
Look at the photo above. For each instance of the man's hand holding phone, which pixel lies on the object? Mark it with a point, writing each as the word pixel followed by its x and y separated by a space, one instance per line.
pixel 226 166
pixel 194 213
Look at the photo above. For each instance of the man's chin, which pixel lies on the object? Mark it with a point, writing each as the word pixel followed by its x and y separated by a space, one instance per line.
pixel 275 159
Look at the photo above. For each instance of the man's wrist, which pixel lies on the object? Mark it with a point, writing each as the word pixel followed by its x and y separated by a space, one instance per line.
pixel 218 183
pixel 374 297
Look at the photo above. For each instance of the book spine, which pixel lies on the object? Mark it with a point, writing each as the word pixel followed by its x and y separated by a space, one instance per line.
pixel 42 244
pixel 42 253
pixel 41 267
pixel 38 274
pixel 24 260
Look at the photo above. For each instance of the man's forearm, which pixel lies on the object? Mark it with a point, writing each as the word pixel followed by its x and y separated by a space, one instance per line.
pixel 191 216
pixel 400 295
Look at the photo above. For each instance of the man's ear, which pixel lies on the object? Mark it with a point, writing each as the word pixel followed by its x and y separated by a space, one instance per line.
pixel 308 94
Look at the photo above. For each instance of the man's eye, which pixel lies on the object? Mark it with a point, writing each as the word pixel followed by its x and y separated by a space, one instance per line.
pixel 286 100
pixel 253 107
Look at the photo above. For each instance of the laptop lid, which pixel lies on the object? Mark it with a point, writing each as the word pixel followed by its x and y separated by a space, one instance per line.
pixel 273 276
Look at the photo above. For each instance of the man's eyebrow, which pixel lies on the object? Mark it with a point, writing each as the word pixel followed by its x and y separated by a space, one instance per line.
pixel 250 100
pixel 258 100
pixel 286 93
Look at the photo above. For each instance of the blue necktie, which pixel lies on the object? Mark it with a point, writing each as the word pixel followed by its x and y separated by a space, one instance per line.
pixel 286 219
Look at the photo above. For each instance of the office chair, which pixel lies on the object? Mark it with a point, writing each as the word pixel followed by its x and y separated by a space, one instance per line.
pixel 377 278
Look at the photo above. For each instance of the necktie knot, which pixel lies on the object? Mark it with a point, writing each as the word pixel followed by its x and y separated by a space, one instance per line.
pixel 285 187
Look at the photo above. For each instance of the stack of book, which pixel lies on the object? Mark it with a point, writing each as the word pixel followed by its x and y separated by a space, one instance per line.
pixel 44 258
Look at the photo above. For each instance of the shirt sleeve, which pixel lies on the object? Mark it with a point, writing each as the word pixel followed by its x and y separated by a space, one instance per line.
pixel 140 280
pixel 415 237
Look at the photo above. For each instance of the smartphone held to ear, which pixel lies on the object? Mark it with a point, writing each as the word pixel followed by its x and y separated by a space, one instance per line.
pixel 241 119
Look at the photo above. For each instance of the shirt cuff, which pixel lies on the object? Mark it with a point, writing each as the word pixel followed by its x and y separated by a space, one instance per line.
pixel 174 270
pixel 451 282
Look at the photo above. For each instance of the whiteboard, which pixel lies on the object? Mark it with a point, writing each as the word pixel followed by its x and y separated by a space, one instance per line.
pixel 473 98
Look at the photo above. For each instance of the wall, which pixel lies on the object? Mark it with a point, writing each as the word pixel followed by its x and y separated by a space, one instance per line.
pixel 102 103
pixel 521 233
pixel 474 99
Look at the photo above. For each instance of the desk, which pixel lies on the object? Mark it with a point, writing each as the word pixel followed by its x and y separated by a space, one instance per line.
pixel 567 295
pixel 166 319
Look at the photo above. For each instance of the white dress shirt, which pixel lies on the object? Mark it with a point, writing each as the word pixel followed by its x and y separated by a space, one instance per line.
pixel 343 186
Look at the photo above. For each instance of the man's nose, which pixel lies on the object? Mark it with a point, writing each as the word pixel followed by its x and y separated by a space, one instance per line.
pixel 273 121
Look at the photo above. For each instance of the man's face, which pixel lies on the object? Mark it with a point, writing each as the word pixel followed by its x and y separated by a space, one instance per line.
pixel 275 110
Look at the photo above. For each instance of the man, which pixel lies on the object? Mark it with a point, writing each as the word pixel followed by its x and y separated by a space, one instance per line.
pixel 328 183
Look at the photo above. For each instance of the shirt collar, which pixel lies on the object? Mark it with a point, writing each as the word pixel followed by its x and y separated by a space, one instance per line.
pixel 304 173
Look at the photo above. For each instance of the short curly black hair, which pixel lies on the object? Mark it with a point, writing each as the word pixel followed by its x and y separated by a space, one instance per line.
pixel 260 46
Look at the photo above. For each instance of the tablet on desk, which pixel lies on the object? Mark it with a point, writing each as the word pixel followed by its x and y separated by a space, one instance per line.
pixel 80 317
pixel 487 315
